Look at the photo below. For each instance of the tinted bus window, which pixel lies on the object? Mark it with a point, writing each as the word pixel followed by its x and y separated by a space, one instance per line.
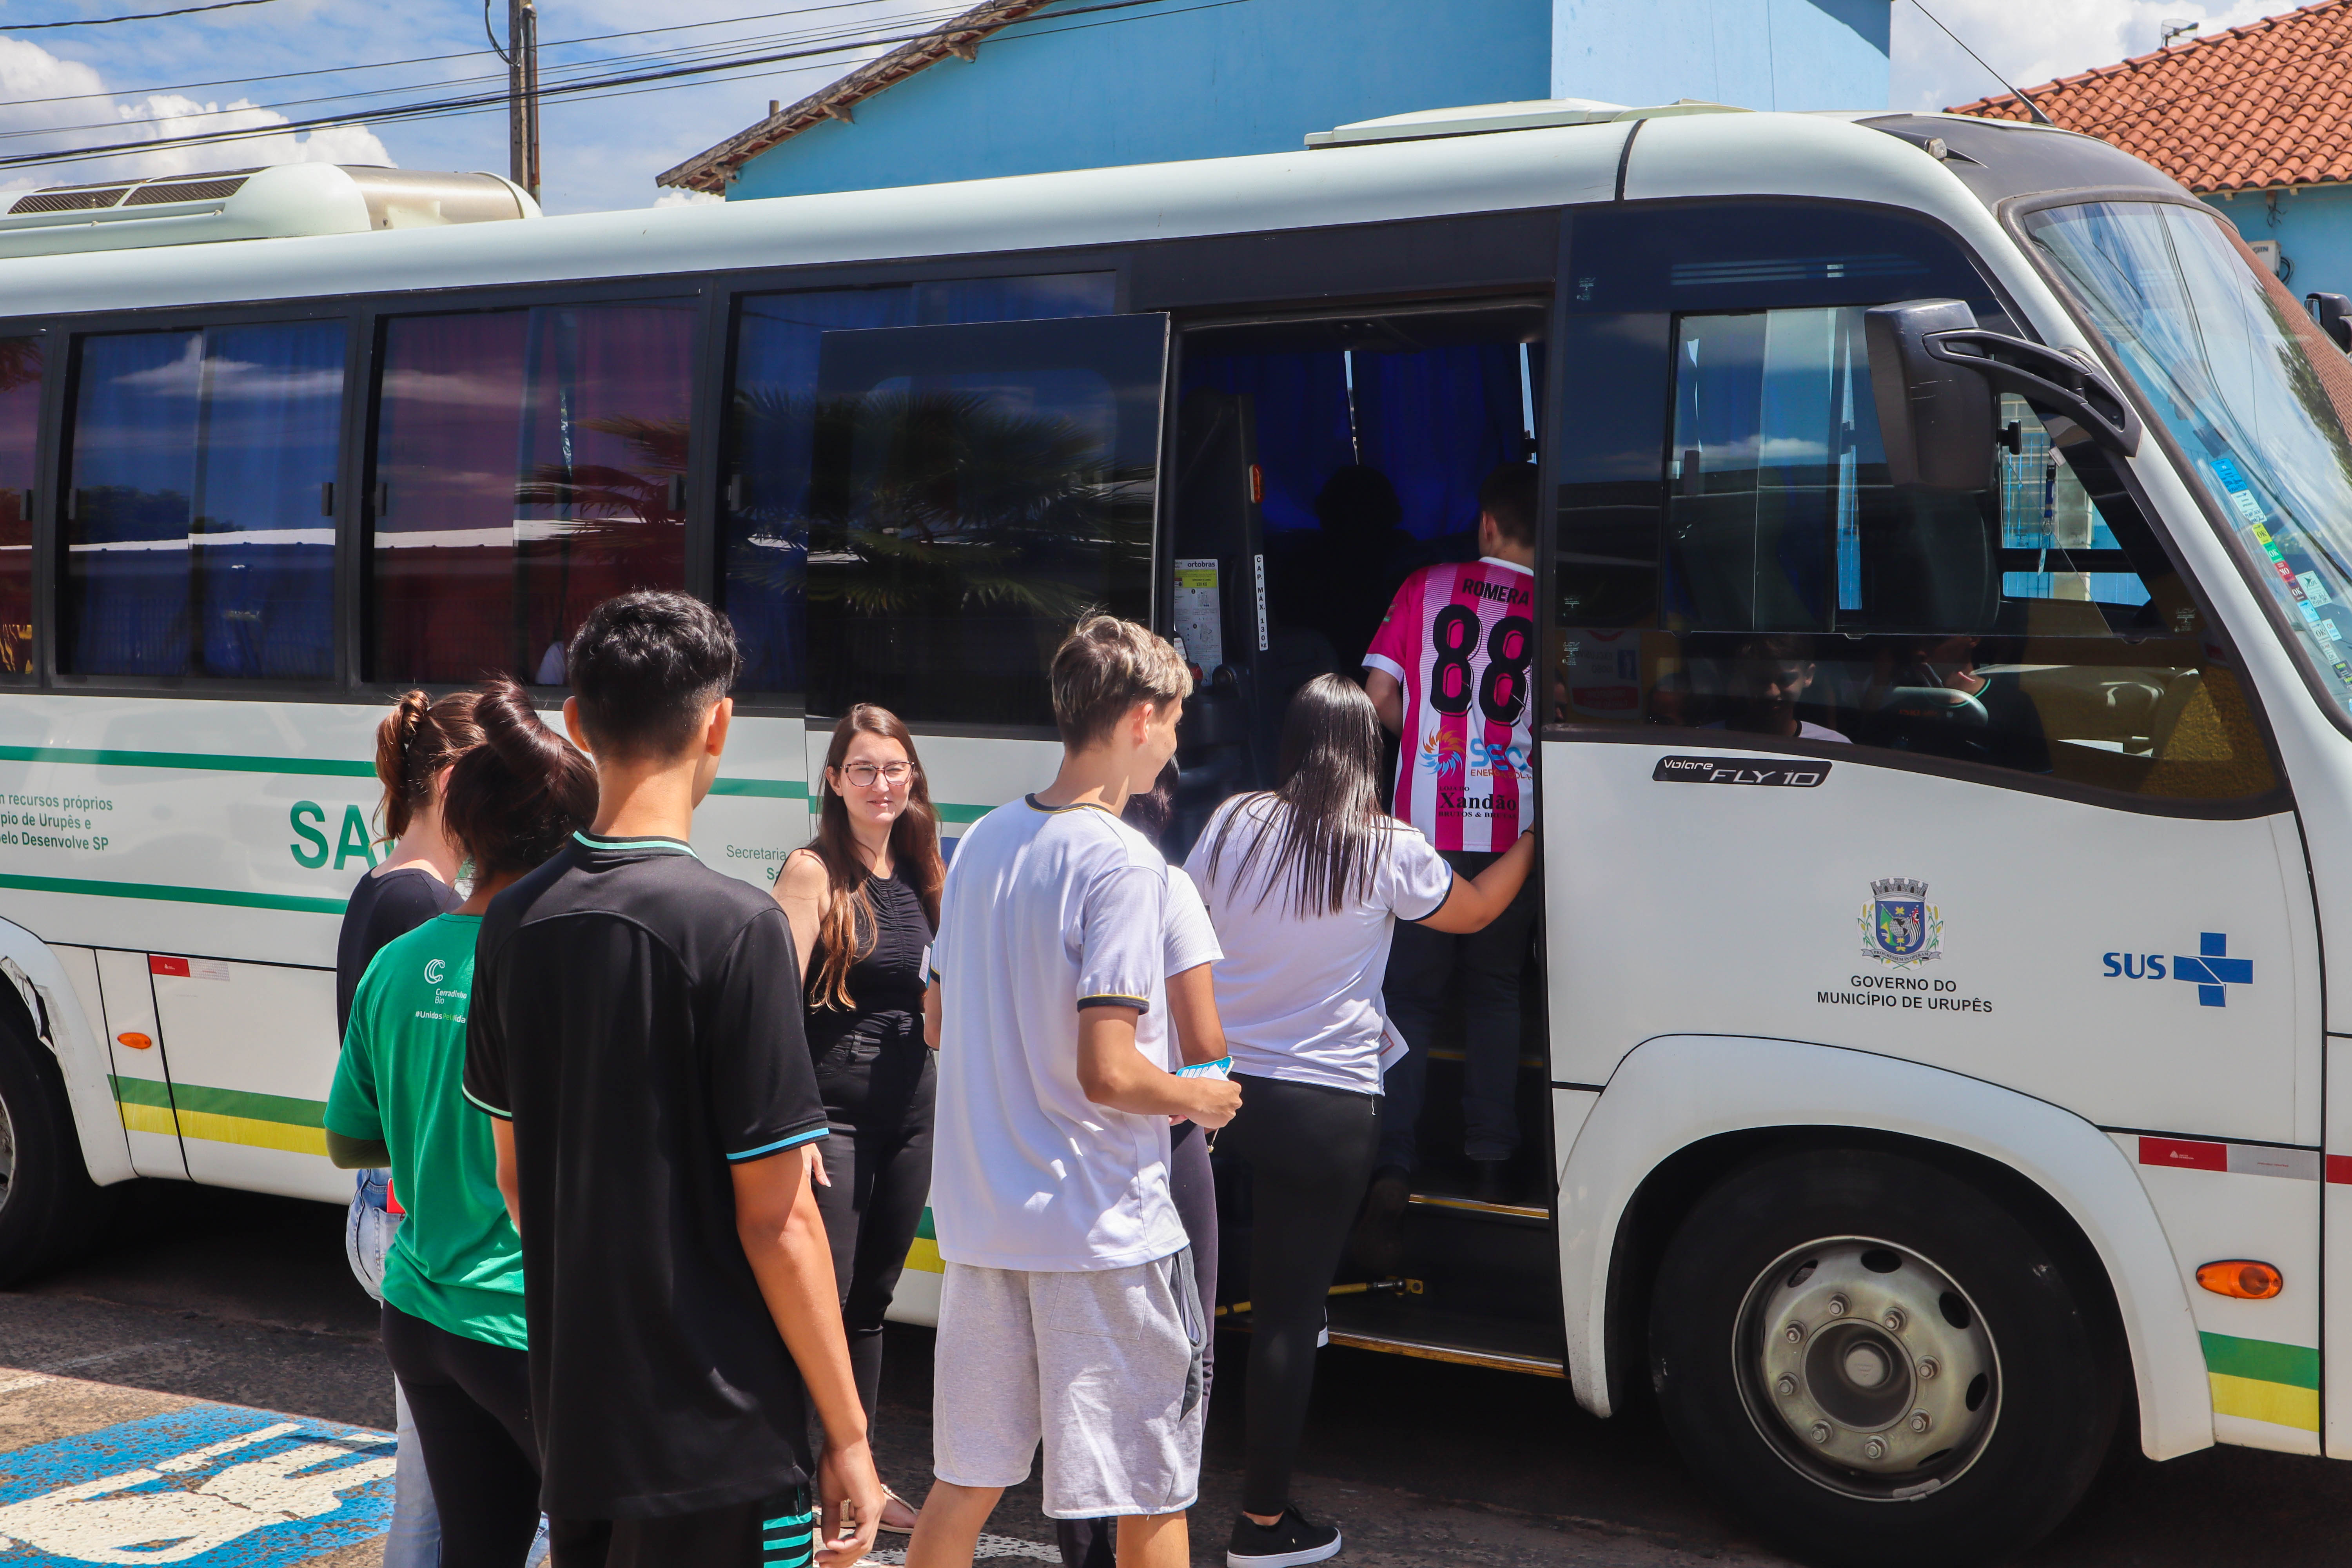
pixel 20 425
pixel 1732 555
pixel 528 464
pixel 199 534
pixel 772 433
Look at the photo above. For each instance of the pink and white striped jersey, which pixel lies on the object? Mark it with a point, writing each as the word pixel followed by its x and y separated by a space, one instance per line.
pixel 1461 640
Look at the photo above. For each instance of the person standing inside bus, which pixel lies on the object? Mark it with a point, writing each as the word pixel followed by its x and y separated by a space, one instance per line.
pixel 1449 672
pixel 453 1316
pixel 863 900
pixel 1067 1314
pixel 1191 947
pixel 1305 885
pixel 636 1035
pixel 415 746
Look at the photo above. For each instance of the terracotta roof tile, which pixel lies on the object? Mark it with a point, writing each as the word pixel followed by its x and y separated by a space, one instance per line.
pixel 2254 107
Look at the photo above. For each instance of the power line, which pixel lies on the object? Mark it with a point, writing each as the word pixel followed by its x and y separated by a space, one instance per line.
pixel 479 103
pixel 423 59
pixel 141 16
pixel 573 69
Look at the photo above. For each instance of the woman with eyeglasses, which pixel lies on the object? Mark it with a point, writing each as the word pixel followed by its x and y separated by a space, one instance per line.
pixel 863 901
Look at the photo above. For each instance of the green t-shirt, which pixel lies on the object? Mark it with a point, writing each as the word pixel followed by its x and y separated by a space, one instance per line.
pixel 457 1262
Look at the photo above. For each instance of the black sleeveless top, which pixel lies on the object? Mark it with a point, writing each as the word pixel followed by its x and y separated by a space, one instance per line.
pixel 886 983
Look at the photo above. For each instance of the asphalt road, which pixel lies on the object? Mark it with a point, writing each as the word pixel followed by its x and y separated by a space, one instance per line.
pixel 203 1296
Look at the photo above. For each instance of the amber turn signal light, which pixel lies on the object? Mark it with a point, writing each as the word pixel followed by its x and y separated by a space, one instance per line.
pixel 2245 1280
pixel 137 1042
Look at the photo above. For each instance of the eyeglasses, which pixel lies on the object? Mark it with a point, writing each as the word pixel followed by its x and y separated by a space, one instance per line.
pixel 863 774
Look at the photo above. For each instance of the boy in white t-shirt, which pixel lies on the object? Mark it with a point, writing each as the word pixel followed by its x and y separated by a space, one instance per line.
pixel 1068 1312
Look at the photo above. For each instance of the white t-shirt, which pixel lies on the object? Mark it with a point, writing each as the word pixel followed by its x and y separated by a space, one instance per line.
pixel 1300 996
pixel 1046 911
pixel 1189 940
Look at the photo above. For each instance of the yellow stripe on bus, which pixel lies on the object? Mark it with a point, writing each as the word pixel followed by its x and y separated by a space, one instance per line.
pixel 923 1257
pixel 2275 1403
pixel 212 1127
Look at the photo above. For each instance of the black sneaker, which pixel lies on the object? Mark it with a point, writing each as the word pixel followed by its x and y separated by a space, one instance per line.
pixel 1285 1544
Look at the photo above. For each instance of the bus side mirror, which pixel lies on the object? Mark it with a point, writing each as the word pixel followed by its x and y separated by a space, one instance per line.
pixel 2333 314
pixel 1934 417
pixel 1922 341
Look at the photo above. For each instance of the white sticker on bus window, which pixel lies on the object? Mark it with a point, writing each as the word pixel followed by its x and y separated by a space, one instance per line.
pixel 1199 619
pixel 2315 592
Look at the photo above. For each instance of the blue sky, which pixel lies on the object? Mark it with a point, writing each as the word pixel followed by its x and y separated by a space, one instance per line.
pixel 143 79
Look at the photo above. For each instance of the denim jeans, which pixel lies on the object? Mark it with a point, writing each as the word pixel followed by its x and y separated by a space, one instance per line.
pixel 414 1539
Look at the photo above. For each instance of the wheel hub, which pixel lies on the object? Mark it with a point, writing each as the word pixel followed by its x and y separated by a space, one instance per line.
pixel 8 1154
pixel 1867 1368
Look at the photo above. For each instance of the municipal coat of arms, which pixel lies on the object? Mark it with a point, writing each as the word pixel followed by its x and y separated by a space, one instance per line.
pixel 1899 925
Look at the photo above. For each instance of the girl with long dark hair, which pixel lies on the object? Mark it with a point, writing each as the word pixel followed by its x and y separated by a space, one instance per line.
pixel 864 903
pixel 415 745
pixel 452 1304
pixel 1304 884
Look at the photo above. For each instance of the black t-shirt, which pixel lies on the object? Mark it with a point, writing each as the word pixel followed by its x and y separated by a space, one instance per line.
pixel 383 907
pixel 638 1017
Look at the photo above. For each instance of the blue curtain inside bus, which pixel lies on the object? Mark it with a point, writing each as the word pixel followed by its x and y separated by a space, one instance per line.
pixel 772 434
pixel 197 536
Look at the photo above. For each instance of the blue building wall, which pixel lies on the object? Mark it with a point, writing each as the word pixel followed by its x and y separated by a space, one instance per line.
pixel 2313 226
pixel 1047 94
pixel 1758 54
pixel 1171 81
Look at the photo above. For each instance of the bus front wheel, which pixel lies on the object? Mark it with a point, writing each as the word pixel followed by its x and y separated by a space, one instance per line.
pixel 1877 1361
pixel 48 1206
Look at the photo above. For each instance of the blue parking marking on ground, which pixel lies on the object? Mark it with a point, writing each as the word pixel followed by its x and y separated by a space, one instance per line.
pixel 210 1486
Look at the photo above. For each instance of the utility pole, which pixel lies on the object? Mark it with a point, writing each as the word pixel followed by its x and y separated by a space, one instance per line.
pixel 522 94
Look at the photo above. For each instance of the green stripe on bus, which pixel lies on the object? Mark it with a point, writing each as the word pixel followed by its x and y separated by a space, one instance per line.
pixel 235 901
pixel 140 1091
pixel 2265 1361
pixel 203 761
pixel 198 1099
pixel 772 789
pixel 951 812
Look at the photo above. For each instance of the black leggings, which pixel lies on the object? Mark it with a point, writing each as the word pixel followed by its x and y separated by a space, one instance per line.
pixel 879 1160
pixel 1088 1543
pixel 472 1407
pixel 1310 1151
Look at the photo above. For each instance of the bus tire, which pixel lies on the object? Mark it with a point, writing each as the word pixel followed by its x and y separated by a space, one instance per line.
pixel 1877 1363
pixel 49 1208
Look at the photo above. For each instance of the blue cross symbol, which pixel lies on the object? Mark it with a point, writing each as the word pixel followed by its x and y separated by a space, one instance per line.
pixel 2212 970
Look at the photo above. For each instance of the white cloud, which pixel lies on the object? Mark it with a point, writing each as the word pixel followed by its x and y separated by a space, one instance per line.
pixel 2035 41
pixel 29 71
pixel 688 199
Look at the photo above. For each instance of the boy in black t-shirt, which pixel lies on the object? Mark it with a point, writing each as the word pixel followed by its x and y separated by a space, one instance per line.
pixel 636 1031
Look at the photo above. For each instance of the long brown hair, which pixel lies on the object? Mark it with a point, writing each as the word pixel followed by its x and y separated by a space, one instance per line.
pixel 519 796
pixel 847 931
pixel 1333 831
pixel 416 740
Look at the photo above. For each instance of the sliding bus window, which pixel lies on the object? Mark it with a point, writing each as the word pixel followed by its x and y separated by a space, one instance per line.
pixel 199 529
pixel 1732 556
pixel 529 463
pixel 20 429
pixel 773 431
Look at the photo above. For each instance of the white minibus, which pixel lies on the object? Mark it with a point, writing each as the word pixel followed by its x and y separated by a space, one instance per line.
pixel 1944 761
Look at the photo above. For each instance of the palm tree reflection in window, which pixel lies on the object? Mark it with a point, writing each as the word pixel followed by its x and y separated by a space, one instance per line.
pixel 584 528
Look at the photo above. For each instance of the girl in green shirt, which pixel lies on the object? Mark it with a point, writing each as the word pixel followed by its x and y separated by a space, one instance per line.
pixel 452 1301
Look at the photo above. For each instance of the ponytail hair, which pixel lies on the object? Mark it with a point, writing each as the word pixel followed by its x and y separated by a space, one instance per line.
pixel 416 740
pixel 513 800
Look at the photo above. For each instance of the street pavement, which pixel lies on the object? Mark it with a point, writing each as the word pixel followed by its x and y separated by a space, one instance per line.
pixel 210 1376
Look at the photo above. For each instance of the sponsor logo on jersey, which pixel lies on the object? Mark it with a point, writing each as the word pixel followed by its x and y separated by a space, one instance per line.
pixel 1442 754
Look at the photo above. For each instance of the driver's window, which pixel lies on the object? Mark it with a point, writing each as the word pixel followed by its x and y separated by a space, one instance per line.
pixel 1799 595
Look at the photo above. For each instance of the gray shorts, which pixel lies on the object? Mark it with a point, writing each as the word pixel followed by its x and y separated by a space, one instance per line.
pixel 1104 1367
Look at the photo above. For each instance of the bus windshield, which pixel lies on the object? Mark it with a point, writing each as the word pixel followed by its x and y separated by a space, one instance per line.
pixel 2222 363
